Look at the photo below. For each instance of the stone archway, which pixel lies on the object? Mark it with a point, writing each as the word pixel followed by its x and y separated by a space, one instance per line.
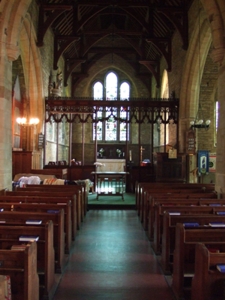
pixel 12 16
pixel 14 24
pixel 192 74
pixel 215 10
pixel 31 59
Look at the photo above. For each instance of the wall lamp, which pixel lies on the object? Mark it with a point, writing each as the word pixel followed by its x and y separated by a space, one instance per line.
pixel 24 122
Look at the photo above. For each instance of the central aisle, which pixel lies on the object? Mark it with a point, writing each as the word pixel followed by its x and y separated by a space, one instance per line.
pixel 112 260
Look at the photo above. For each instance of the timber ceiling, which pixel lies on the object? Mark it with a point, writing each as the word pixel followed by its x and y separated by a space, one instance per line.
pixel 138 31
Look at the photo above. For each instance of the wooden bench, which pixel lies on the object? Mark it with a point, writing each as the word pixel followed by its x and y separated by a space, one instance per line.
pixel 184 254
pixel 76 192
pixel 21 266
pixel 41 204
pixel 9 235
pixel 168 236
pixel 19 218
pixel 51 197
pixel 160 206
pixel 186 206
pixel 183 210
pixel 152 196
pixel 146 188
pixel 170 199
pixel 208 282
pixel 79 190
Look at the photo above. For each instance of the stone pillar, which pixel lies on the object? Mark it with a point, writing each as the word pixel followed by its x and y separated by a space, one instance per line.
pixel 5 123
pixel 220 157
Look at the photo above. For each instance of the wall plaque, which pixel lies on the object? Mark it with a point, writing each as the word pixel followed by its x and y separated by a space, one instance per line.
pixel 191 142
pixel 40 141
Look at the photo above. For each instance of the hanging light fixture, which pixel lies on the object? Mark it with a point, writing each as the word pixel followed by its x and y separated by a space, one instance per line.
pixel 200 124
pixel 199 121
pixel 23 121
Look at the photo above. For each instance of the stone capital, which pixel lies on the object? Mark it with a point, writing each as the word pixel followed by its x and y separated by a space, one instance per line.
pixel 218 55
pixel 13 52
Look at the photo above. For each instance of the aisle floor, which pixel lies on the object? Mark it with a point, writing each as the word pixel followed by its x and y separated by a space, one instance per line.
pixel 112 260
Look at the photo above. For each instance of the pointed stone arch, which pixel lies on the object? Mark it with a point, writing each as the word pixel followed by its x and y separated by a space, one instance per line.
pixel 31 63
pixel 192 73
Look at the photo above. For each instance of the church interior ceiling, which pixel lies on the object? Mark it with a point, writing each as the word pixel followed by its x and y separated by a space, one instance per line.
pixel 137 31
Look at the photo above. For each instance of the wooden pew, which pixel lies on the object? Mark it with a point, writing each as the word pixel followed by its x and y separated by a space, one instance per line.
pixel 186 206
pixel 75 191
pixel 208 282
pixel 9 235
pixel 79 190
pixel 160 206
pixel 21 266
pixel 168 236
pixel 40 205
pixel 170 199
pixel 151 196
pixel 19 218
pixel 142 187
pixel 53 197
pixel 184 253
pixel 183 210
pixel 144 190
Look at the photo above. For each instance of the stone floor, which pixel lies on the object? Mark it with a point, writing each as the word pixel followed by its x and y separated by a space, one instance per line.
pixel 112 260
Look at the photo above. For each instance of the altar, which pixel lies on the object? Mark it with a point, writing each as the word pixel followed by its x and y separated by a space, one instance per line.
pixel 111 165
pixel 110 183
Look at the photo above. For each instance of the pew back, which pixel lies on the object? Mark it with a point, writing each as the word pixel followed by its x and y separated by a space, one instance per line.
pixel 184 253
pixel 37 206
pixel 45 251
pixel 208 282
pixel 11 218
pixel 49 197
pixel 21 267
pixel 169 228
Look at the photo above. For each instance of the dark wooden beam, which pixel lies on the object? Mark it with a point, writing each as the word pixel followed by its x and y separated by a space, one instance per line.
pixel 45 22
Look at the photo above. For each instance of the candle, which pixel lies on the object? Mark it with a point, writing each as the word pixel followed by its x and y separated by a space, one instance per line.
pixel 130 155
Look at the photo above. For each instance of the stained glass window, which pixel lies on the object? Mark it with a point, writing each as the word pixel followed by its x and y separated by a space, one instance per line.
pixel 111 129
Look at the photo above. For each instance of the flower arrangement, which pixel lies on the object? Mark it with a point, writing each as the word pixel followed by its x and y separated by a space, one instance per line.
pixel 118 151
pixel 101 151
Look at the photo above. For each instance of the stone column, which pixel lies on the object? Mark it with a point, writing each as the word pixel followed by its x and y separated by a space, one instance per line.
pixel 220 156
pixel 6 115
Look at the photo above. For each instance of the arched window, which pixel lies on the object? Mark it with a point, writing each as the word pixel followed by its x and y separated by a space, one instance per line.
pixel 111 130
pixel 98 91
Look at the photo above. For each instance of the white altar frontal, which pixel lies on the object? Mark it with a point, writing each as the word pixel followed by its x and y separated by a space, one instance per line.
pixel 111 165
